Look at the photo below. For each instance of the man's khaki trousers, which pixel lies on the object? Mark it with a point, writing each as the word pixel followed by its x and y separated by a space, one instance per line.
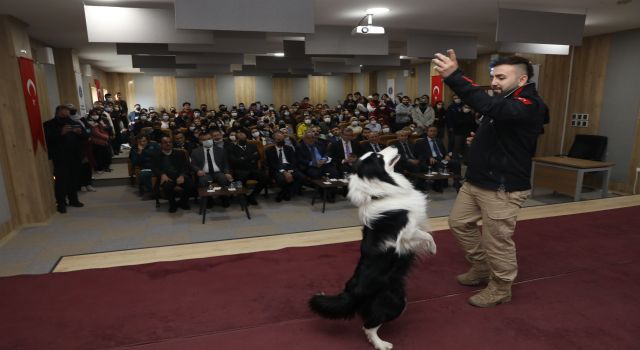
pixel 498 211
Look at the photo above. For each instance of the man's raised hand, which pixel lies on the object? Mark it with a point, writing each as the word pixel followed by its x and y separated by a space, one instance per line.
pixel 446 65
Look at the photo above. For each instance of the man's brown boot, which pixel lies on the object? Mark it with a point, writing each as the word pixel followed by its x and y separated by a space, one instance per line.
pixel 497 292
pixel 477 274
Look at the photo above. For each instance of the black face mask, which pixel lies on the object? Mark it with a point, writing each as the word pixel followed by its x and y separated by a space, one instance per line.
pixel 242 142
pixel 280 143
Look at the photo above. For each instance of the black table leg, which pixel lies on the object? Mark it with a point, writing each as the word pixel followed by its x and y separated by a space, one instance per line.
pixel 244 205
pixel 203 207
pixel 324 198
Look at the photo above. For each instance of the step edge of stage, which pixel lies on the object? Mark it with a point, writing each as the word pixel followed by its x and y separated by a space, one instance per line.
pixel 302 239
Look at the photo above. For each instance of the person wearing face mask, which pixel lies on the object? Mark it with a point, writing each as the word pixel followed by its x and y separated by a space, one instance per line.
pixel 171 167
pixel 423 115
pixel 210 163
pixel 385 130
pixel 64 138
pixel 142 157
pixel 349 103
pixel 243 158
pixel 403 114
pixel 164 124
pixel 498 173
pixel 99 143
pixel 440 121
pixel 463 126
pixel 135 113
pixel 218 140
pixel 454 112
pixel 302 128
pixel 373 125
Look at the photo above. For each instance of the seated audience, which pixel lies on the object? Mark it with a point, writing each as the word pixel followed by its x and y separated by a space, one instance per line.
pixel 243 158
pixel 373 145
pixel 171 167
pixel 431 153
pixel 283 168
pixel 344 151
pixel 142 157
pixel 210 165
pixel 408 161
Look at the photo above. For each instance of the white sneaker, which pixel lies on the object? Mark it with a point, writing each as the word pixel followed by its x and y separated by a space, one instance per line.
pixel 91 188
pixel 83 189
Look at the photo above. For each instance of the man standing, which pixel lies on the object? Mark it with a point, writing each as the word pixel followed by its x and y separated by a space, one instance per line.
pixel 498 173
pixel 65 138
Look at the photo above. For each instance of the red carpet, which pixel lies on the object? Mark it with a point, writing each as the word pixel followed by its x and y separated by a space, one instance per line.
pixel 578 289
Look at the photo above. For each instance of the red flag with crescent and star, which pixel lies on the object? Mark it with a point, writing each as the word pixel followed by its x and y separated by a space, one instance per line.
pixel 436 89
pixel 31 101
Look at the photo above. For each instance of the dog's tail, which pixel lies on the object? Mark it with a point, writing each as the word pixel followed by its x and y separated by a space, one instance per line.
pixel 341 306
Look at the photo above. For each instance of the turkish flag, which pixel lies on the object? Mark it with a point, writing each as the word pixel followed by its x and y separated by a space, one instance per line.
pixel 436 89
pixel 97 82
pixel 30 92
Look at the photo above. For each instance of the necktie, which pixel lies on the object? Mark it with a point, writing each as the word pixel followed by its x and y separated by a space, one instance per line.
pixel 347 149
pixel 435 147
pixel 407 150
pixel 209 161
pixel 280 157
pixel 376 148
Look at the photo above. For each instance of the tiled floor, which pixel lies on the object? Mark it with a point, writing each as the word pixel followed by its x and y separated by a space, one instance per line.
pixel 115 218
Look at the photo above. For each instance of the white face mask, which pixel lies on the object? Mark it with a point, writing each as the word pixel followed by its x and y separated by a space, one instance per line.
pixel 327 120
pixel 192 128
pixel 207 143
pixel 373 122
pixel 385 130
pixel 354 123
pixel 286 112
pixel 307 121
pixel 234 114
pixel 165 117
pixel 457 100
pixel 232 137
pixel 95 117
pixel 144 117
pixel 466 110
pixel 271 108
pixel 356 112
pixel 255 134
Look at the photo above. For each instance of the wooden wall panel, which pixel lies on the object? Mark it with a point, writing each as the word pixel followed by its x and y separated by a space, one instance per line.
pixel 282 91
pixel 318 89
pixel 587 85
pixel 66 76
pixel 43 95
pixel 27 175
pixel 350 84
pixel 635 160
pixel 166 92
pixel 373 83
pixel 552 87
pixel 207 92
pixel 245 88
pixel 120 82
pixel 411 84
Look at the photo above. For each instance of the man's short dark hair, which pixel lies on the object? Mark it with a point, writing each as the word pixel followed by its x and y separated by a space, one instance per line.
pixel 60 108
pixel 186 103
pixel 513 61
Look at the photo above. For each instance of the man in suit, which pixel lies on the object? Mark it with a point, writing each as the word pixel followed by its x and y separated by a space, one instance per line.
pixel 283 167
pixel 431 153
pixel 172 168
pixel 372 145
pixel 210 164
pixel 344 151
pixel 312 158
pixel 65 138
pixel 408 160
pixel 244 158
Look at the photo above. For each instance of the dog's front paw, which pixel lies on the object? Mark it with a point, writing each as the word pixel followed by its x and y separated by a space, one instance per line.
pixel 383 345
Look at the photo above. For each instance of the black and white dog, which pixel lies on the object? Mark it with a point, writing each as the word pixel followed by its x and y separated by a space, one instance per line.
pixel 393 214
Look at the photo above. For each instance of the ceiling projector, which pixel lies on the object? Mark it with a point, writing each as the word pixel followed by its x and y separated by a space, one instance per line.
pixel 369 29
